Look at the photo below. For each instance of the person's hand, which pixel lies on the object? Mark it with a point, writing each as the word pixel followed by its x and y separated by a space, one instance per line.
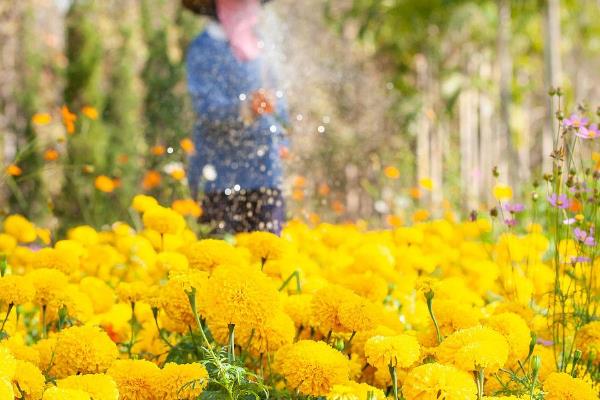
pixel 262 102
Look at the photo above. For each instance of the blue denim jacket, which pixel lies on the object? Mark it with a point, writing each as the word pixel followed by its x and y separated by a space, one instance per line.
pixel 242 156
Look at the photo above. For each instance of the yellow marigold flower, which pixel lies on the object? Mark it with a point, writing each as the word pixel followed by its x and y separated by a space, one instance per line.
pixel 360 339
pixel 45 350
pixel 263 245
pixel 359 314
pixel 426 183
pixel 141 203
pixel 68 119
pixel 182 381
pixel 104 184
pixel 298 307
pixel 355 391
pixel 176 304
pixel 398 351
pixel 269 337
pixel 58 259
pixel 7 243
pixel 562 386
pixel 187 207
pixel 6 389
pixel 177 173
pixel 100 351
pixel 20 228
pixel 325 308
pixel 98 386
pixel 312 367
pixel 29 380
pixel 187 146
pixel 56 393
pixel 451 316
pixel 41 119
pixel 101 295
pixel 435 381
pixel 163 220
pixel 50 285
pixel 474 348
pixel 207 254
pixel 588 340
pixel 86 235
pixel 170 261
pixel 14 170
pixel 20 351
pixel 131 292
pixel 8 364
pixel 136 379
pixel 502 192
pixel 515 331
pixel 78 305
pixel 90 112
pixel 238 294
pixel 16 289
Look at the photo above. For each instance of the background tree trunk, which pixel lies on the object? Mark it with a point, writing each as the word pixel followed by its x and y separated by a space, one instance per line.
pixel 553 72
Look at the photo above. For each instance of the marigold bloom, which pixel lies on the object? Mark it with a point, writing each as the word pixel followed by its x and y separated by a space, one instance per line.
pixel 131 292
pixel 141 203
pixel 8 364
pixel 14 170
pixel 398 351
pixel 158 150
pixel 60 259
pixel 562 386
pixel 355 391
pixel 187 207
pixel 50 285
pixel 182 381
pixel 163 220
pixel 435 381
pixel 474 348
pixel 263 246
pixel 28 380
pixel 16 289
pixel 238 294
pixel 152 179
pixel 426 183
pixel 502 192
pixel 587 340
pixel 312 367
pixel 515 331
pixel 90 112
pixel 359 314
pixel 68 119
pixel 136 379
pixel 325 308
pixel 391 172
pixel 98 386
pixel 6 389
pixel 104 184
pixel 56 393
pixel 100 351
pixel 207 254
pixel 41 119
pixel 187 146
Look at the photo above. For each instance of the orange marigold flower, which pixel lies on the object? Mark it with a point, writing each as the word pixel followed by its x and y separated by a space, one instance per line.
pixel 51 155
pixel 415 193
pixel 104 184
pixel 338 207
pixel 151 180
pixel 391 172
pixel 187 145
pixel 324 189
pixel 298 194
pixel 90 112
pixel 41 119
pixel 299 181
pixel 158 150
pixel 14 170
pixel 68 119
pixel 420 215
pixel 394 221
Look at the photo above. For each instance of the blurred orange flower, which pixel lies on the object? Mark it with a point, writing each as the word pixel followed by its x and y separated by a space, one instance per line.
pixel 51 155
pixel 299 181
pixel 157 150
pixel 41 119
pixel 104 184
pixel 391 172
pixel 90 112
pixel 394 221
pixel 14 170
pixel 187 146
pixel 415 193
pixel 122 158
pixel 324 189
pixel 314 218
pixel 298 194
pixel 420 215
pixel 338 207
pixel 68 119
pixel 151 180
pixel 187 207
pixel 575 206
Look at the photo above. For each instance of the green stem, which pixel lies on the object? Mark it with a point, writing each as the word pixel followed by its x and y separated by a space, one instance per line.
pixel 231 352
pixel 44 327
pixel 10 307
pixel 394 375
pixel 479 378
pixel 429 297
pixel 160 332
pixel 132 324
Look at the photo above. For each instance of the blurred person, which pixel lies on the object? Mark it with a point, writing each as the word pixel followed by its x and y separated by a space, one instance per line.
pixel 241 117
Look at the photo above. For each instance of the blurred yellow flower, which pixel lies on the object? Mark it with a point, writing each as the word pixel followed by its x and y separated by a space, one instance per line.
pixel 41 119
pixel 90 112
pixel 426 183
pixel 187 146
pixel 391 172
pixel 187 207
pixel 502 192
pixel 105 184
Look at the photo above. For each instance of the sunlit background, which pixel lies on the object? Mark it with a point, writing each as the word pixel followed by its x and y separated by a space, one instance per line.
pixel 397 106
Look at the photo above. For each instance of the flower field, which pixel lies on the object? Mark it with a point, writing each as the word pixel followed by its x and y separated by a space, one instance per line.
pixel 439 310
